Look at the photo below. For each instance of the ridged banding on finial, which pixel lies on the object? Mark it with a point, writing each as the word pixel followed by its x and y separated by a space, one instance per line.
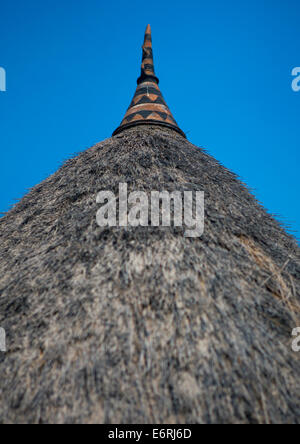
pixel 148 105
pixel 147 68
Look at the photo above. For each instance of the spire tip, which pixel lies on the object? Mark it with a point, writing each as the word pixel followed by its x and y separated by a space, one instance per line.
pixel 148 105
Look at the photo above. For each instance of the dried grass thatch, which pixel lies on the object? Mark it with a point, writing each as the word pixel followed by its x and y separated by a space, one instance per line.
pixel 143 325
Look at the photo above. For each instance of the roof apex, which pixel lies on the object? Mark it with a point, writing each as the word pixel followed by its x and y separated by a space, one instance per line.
pixel 148 105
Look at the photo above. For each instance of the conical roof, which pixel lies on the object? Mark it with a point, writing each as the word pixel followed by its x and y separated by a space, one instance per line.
pixel 140 324
pixel 148 105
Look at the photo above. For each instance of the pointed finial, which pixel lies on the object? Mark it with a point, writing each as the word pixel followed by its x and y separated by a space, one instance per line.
pixel 147 68
pixel 148 105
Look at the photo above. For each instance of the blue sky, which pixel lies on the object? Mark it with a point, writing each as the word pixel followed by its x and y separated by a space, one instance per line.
pixel 224 68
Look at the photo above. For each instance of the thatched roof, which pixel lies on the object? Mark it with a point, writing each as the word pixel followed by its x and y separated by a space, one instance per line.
pixel 144 325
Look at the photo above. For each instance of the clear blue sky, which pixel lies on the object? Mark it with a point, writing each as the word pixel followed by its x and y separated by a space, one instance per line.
pixel 224 68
